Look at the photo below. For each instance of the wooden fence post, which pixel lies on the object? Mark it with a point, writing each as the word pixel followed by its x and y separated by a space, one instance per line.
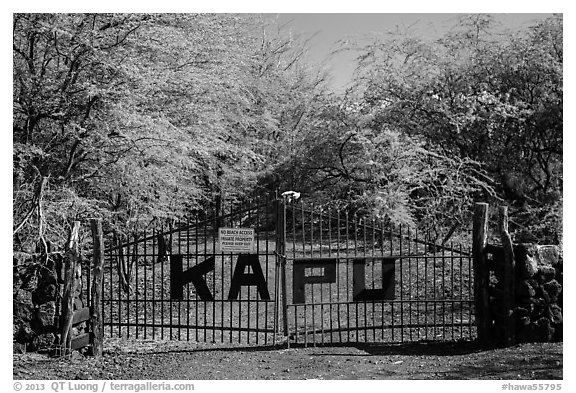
pixel 481 274
pixel 96 290
pixel 509 278
pixel 70 265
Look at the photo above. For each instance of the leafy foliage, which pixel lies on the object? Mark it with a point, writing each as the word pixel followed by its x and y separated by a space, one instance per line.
pixel 137 118
pixel 140 118
pixel 494 98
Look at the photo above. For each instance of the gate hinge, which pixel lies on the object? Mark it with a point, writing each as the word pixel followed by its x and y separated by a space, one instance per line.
pixel 281 256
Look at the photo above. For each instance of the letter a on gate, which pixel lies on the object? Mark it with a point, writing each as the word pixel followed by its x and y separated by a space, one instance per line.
pixel 240 278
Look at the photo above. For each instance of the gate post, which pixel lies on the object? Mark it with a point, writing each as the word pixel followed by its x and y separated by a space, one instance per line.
pixel 509 278
pixel 281 255
pixel 96 287
pixel 71 262
pixel 481 273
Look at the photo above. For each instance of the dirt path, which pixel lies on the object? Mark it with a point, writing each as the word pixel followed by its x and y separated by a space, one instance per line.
pixel 191 361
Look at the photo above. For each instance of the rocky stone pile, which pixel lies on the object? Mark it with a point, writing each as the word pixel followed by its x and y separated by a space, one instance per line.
pixel 37 291
pixel 539 300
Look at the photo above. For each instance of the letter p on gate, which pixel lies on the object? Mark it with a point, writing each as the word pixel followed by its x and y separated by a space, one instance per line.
pixel 299 278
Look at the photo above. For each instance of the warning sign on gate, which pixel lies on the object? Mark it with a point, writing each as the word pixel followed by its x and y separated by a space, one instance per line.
pixel 240 240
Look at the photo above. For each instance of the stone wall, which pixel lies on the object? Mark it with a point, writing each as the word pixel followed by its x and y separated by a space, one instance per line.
pixel 37 290
pixel 537 310
pixel 538 293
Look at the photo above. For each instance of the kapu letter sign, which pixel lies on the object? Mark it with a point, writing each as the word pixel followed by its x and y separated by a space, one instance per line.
pixel 239 240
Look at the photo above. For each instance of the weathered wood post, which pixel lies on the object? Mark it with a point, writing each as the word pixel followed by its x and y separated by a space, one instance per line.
pixel 509 278
pixel 70 265
pixel 481 274
pixel 96 290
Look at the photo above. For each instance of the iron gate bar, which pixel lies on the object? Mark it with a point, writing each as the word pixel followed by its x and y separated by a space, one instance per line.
pixel 120 250
pixel 385 326
pixel 388 326
pixel 126 263
pixel 417 286
pixel 223 301
pixel 444 291
pixel 197 229
pixel 240 292
pixel 451 295
pixel 393 315
pixel 321 286
pixel 373 274
pixel 180 303
pixel 182 228
pixel 410 286
pixel 145 287
pixel 154 247
pixel 382 269
pixel 427 236
pixel 399 234
pixel 170 302
pixel 185 326
pixel 282 259
pixel 215 228
pixel 461 296
pixel 269 266
pixel 114 261
pixel 387 256
pixel 161 285
pixel 136 290
pixel 434 290
pixel 347 277
pixel 404 246
pixel 204 256
pixel 401 289
pixel 304 252
pixel 231 273
pixel 258 253
pixel 365 313
pixel 338 213
pixel 330 254
pixel 188 287
pixel 355 254
pixel 312 252
pixel 470 291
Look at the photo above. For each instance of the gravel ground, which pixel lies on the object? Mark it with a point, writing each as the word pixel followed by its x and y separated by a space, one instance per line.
pixel 134 360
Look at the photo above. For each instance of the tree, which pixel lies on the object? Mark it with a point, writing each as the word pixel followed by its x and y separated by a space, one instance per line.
pixel 64 79
pixel 479 95
pixel 140 118
pixel 381 173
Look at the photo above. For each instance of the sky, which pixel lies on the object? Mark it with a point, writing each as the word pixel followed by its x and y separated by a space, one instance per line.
pixel 327 29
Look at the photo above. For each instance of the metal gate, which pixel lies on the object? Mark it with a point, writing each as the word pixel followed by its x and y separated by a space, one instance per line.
pixel 314 276
pixel 353 280
pixel 176 283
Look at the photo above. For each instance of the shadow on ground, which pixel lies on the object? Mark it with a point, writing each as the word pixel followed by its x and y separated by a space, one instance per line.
pixel 432 348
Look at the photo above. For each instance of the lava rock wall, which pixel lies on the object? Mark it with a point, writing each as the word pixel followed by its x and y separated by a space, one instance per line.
pixel 37 293
pixel 539 276
pixel 537 299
